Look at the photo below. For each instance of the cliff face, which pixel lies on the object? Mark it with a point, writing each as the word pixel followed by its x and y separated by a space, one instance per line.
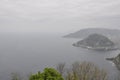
pixel 96 41
pixel 116 61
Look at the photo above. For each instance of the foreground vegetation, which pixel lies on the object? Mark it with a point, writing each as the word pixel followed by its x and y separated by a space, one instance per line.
pixel 82 71
pixel 77 71
pixel 47 74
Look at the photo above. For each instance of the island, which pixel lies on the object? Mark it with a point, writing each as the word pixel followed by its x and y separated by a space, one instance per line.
pixel 96 42
pixel 115 60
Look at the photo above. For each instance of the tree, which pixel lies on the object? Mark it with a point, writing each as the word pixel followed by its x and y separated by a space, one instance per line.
pixel 47 74
pixel 85 71
pixel 61 68
pixel 15 76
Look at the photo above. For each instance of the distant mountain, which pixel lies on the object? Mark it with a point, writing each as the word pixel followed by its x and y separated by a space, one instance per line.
pixel 115 60
pixel 97 42
pixel 85 32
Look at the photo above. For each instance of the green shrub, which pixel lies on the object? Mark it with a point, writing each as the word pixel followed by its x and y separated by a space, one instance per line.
pixel 47 74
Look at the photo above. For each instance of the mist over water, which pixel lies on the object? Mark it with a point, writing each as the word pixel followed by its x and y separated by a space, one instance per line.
pixel 33 52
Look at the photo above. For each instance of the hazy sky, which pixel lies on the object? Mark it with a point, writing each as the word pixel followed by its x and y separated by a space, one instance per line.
pixel 60 16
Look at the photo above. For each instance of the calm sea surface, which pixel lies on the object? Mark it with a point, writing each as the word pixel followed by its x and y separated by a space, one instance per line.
pixel 31 53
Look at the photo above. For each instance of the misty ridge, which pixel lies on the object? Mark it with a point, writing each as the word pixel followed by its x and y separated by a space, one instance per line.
pixel 87 31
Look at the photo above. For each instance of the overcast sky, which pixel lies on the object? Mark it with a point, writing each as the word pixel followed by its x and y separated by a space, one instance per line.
pixel 59 16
